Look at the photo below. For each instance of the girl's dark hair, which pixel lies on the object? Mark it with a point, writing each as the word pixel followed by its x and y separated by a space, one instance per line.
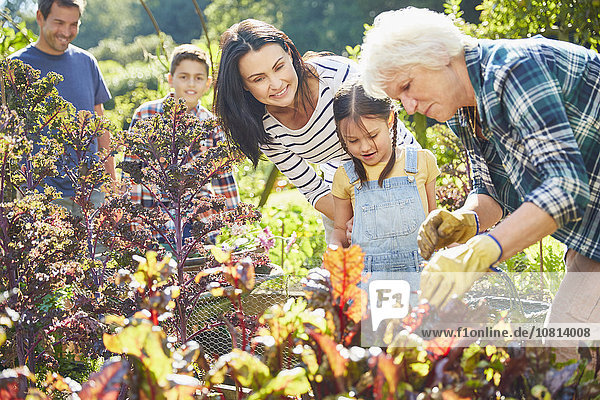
pixel 349 105
pixel 239 112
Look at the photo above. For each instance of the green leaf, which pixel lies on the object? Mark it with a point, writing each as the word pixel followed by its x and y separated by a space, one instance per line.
pixel 540 392
pixel 328 346
pixel 289 382
pixel 145 342
pixel 243 367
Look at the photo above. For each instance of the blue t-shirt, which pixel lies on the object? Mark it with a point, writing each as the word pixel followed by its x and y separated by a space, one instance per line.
pixel 83 86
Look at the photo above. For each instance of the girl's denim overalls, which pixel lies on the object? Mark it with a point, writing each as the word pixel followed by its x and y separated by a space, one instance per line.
pixel 386 223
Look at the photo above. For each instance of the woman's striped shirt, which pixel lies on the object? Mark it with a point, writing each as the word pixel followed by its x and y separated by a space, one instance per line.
pixel 291 150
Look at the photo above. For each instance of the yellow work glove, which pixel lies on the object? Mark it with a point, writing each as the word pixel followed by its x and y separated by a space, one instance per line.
pixel 453 271
pixel 442 227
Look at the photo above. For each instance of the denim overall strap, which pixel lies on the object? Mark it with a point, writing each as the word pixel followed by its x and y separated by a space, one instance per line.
pixel 410 163
pixel 386 223
pixel 350 171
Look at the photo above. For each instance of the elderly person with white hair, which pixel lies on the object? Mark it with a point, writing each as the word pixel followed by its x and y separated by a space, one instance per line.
pixel 528 112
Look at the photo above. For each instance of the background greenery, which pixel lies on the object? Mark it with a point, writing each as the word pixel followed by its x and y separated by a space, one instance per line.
pixel 132 59
pixel 312 24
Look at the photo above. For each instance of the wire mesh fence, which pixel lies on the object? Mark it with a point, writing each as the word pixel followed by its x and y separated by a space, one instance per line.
pixel 209 313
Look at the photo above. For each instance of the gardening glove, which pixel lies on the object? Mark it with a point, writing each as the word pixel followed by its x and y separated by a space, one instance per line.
pixel 442 227
pixel 453 271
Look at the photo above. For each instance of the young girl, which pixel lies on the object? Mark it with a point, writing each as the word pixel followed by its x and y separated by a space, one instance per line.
pixel 388 190
pixel 271 100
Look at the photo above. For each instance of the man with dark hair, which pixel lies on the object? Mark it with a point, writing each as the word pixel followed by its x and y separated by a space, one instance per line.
pixel 44 6
pixel 83 84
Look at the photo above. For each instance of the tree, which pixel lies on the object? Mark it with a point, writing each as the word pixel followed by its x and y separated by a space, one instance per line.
pixel 319 25
pixel 13 35
pixel 572 21
pixel 221 14
pixel 323 25
pixel 112 19
pixel 16 7
pixel 179 20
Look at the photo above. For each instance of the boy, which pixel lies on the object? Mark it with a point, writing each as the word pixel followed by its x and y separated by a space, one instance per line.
pixel 189 78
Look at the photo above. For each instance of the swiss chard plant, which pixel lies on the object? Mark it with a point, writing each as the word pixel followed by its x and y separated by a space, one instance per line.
pixel 310 348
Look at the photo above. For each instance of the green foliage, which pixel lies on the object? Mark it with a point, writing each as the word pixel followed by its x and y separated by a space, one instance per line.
pixel 116 19
pixel 312 25
pixel 309 246
pixel 250 180
pixel 327 25
pixel 453 185
pixel 321 330
pixel 121 108
pixel 158 369
pixel 178 20
pixel 299 324
pixel 135 73
pixel 221 14
pixel 45 252
pixel 535 278
pixel 167 159
pixel 294 225
pixel 14 37
pixel 122 80
pixel 152 360
pixel 577 22
pixel 131 85
pixel 251 373
pixel 141 48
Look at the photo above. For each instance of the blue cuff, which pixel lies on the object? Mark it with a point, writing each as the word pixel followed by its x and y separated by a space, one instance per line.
pixel 498 243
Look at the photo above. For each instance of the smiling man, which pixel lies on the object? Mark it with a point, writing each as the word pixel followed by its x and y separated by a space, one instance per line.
pixel 82 85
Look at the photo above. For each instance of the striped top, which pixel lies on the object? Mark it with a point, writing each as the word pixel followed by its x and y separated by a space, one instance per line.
pixel 291 150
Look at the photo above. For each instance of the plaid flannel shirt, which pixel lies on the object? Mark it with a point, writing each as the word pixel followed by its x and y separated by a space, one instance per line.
pixel 223 184
pixel 539 104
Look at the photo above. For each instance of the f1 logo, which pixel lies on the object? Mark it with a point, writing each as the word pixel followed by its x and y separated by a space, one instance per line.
pixel 389 299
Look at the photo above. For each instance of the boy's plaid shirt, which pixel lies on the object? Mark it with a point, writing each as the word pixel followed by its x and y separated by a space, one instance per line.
pixel 223 184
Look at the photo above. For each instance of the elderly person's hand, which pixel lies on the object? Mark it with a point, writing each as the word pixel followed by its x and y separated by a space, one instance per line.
pixel 453 271
pixel 442 227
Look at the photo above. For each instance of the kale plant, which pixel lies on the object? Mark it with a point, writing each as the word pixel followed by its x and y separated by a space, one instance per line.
pixel 172 165
pixel 48 255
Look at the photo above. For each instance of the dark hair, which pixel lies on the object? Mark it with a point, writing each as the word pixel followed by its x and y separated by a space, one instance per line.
pixel 45 5
pixel 351 103
pixel 188 52
pixel 239 112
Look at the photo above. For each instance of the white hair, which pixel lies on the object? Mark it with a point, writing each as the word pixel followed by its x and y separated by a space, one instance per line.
pixel 407 38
